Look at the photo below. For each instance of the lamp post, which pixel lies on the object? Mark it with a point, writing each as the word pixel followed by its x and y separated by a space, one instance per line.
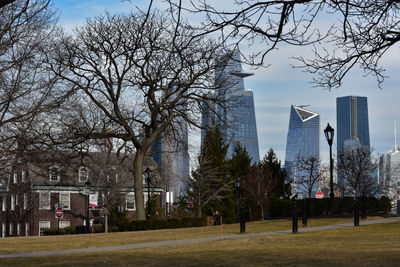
pixel 237 186
pixel 329 133
pixel 241 216
pixel 87 187
pixel 148 177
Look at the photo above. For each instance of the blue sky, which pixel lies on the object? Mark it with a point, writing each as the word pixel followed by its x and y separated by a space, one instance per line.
pixel 277 87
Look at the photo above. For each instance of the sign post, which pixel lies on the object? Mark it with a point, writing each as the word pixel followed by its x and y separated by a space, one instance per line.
pixel 319 195
pixel 59 215
pixel 190 202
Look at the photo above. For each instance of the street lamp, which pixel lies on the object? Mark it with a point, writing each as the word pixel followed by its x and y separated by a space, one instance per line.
pixel 148 177
pixel 237 186
pixel 87 187
pixel 241 216
pixel 329 133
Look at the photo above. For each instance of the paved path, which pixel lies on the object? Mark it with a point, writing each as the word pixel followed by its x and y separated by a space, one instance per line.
pixel 187 241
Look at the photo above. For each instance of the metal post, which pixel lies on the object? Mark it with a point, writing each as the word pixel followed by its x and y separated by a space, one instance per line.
pixel 87 212
pixel 304 213
pixel 237 205
pixel 148 198
pixel 363 206
pixel 356 217
pixel 242 219
pixel 294 218
pixel 331 194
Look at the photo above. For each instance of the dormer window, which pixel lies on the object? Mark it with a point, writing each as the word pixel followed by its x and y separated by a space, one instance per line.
pixel 54 174
pixel 83 174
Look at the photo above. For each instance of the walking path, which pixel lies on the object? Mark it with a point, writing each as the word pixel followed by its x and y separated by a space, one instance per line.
pixel 187 241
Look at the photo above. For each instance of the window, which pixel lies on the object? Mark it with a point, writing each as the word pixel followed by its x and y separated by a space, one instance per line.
pixel 15 177
pixel 130 201
pixel 43 225
pixel 64 200
pixel 26 229
pixel 25 201
pixel 12 202
pixel 18 229
pixel 16 200
pixel 23 176
pixel 63 224
pixel 44 201
pixel 11 230
pixel 83 174
pixel 54 174
pixel 4 204
pixel 3 230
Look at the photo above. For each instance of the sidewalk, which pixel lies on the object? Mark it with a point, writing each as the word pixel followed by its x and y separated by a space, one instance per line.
pixel 188 241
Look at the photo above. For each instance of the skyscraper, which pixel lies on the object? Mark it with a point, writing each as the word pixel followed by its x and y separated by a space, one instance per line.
pixel 238 112
pixel 302 139
pixel 352 125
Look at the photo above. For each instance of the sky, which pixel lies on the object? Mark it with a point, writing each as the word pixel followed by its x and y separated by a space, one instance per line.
pixel 279 86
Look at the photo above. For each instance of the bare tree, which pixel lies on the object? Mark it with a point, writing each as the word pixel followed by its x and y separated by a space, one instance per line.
pixel 359 32
pixel 260 184
pixel 133 76
pixel 307 174
pixel 356 168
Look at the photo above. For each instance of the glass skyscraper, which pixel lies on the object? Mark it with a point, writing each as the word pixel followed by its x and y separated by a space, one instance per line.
pixel 352 125
pixel 239 113
pixel 302 140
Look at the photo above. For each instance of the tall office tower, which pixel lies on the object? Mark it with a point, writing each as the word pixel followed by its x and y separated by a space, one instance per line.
pixel 238 110
pixel 302 141
pixel 352 125
pixel 389 174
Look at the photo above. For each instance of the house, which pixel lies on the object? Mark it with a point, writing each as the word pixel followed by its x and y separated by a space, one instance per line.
pixel 39 182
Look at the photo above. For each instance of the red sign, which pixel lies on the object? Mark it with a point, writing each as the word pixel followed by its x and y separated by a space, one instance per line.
pixel 59 213
pixel 319 195
pixel 190 202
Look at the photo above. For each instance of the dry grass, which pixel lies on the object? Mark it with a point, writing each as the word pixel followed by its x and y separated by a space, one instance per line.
pixel 373 245
pixel 26 244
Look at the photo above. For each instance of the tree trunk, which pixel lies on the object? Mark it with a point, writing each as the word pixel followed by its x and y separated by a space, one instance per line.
pixel 106 220
pixel 138 179
pixel 262 212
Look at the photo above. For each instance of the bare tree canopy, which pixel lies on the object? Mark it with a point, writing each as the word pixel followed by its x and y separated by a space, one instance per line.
pixel 307 175
pixel 133 77
pixel 358 33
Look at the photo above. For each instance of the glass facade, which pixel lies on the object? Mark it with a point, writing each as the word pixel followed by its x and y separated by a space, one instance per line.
pixel 239 113
pixel 302 139
pixel 352 124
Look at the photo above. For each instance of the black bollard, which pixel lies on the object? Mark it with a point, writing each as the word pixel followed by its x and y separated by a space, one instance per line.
pixel 294 218
pixel 356 217
pixel 304 213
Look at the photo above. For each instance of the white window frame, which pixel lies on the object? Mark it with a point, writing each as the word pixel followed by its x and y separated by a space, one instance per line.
pixel 25 204
pixel 15 177
pixel 83 178
pixel 42 195
pixel 3 230
pixel 51 173
pixel 131 195
pixel 12 202
pixel 65 207
pixel 23 176
pixel 4 203
pixel 26 229
pixel 45 224
pixel 18 229
pixel 16 200
pixel 64 224
pixel 11 229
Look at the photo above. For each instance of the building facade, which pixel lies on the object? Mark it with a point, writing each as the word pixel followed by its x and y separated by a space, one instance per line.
pixel 42 182
pixel 237 109
pixel 303 142
pixel 352 125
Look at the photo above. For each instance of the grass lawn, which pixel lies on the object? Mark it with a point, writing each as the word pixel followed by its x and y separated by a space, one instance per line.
pixel 373 245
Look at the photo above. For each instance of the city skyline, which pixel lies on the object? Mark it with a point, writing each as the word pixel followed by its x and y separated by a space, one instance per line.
pixel 279 86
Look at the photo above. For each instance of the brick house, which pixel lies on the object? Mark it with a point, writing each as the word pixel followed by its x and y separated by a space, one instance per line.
pixel 40 182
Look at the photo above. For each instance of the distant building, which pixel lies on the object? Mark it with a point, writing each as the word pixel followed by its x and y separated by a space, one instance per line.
pixel 41 181
pixel 302 139
pixel 352 125
pixel 238 111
